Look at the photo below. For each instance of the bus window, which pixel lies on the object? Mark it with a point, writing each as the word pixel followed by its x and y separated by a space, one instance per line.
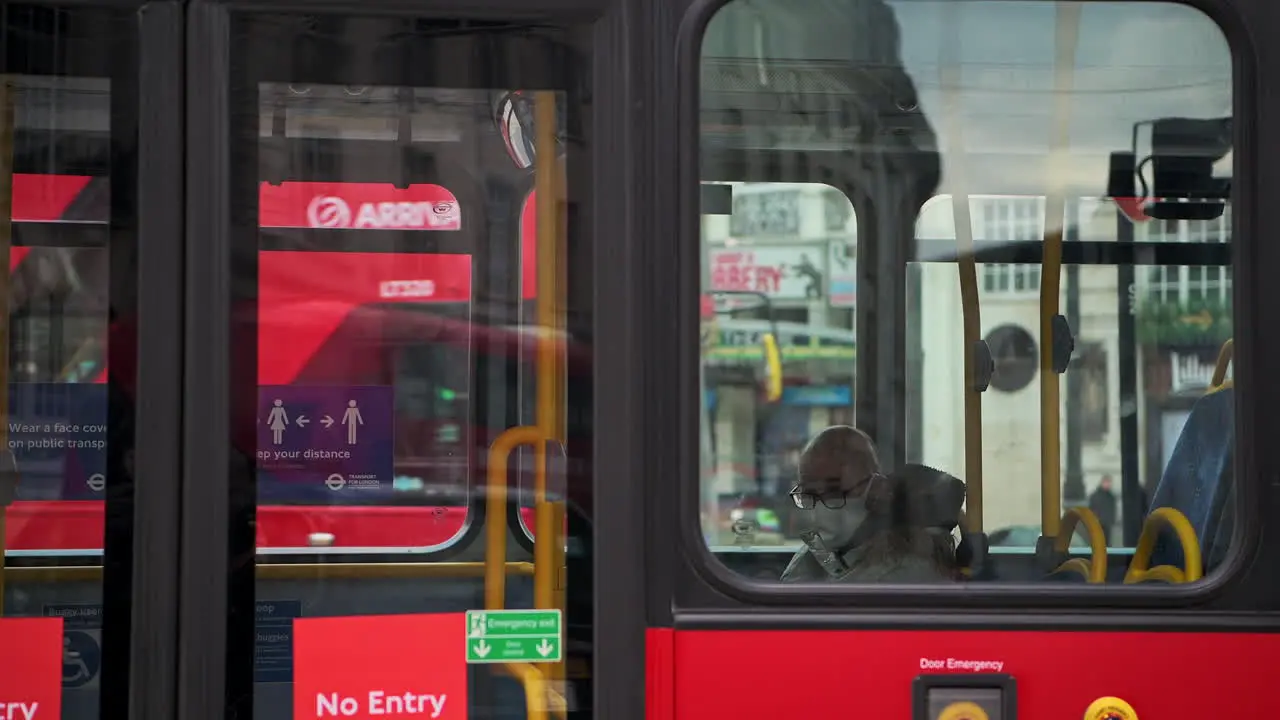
pixel 780 274
pixel 409 340
pixel 1011 341
pixel 59 308
pixel 68 153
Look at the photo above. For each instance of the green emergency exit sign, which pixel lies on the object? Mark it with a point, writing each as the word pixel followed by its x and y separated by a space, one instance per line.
pixel 532 636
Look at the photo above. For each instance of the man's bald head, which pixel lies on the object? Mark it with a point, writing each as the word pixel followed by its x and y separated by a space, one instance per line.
pixel 838 459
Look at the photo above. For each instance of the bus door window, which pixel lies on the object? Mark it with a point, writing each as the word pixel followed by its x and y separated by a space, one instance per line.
pixel 68 312
pixel 390 289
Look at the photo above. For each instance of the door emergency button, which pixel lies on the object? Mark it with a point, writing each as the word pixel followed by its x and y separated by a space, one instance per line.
pixel 963 710
pixel 965 704
pixel 968 696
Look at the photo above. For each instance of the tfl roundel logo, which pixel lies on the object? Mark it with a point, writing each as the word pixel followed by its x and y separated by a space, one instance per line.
pixel 327 211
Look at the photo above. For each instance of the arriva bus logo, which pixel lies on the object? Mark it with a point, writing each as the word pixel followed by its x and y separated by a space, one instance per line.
pixel 330 211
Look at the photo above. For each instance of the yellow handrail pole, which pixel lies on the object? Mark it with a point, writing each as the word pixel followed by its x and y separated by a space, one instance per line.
pixel 1050 389
pixel 552 364
pixel 495 513
pixel 6 242
pixel 550 314
pixel 1223 364
pixel 1065 40
pixel 967 266
pixel 536 691
pixel 972 393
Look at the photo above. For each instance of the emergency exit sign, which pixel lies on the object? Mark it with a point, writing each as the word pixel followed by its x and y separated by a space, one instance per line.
pixel 532 636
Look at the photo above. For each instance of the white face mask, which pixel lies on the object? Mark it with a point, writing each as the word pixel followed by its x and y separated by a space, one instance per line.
pixel 835 526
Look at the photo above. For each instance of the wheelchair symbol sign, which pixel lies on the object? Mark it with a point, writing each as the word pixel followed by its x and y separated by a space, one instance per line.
pixel 81 658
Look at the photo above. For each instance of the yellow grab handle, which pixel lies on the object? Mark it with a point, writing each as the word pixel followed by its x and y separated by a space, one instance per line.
pixel 1224 362
pixel 773 362
pixel 495 515
pixel 539 696
pixel 1193 564
pixel 1095 569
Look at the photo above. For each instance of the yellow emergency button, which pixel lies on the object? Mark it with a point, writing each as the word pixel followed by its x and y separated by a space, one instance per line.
pixel 1110 708
pixel 963 710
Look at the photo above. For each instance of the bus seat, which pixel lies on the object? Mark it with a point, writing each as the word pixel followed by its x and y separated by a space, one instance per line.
pixel 1198 481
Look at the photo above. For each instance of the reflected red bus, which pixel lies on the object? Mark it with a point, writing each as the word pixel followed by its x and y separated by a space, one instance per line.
pixel 401 319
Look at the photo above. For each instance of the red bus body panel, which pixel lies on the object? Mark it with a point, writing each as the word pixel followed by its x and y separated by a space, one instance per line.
pixel 801 675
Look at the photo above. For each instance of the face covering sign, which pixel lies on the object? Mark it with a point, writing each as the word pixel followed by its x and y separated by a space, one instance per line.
pixel 31 680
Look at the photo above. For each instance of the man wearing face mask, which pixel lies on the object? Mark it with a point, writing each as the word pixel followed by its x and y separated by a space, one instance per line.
pixel 858 525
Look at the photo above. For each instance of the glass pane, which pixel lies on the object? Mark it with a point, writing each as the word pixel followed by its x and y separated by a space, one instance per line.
pixel 66 139
pixel 981 135
pixel 799 286
pixel 416 318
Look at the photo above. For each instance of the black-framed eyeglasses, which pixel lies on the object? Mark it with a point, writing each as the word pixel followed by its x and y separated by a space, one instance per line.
pixel 806 500
pixel 832 499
